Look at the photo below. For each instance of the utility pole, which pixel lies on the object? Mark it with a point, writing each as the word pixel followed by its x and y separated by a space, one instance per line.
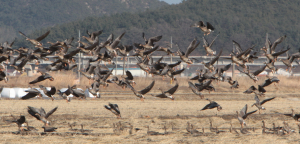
pixel 123 65
pixel 79 59
pixel 127 62
pixel 116 65
pixel 171 49
pixel 233 66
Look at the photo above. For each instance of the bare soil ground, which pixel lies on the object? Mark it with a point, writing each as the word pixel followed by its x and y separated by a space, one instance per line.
pixel 155 113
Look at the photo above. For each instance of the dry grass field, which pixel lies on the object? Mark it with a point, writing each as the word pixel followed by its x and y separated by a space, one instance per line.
pixel 155 113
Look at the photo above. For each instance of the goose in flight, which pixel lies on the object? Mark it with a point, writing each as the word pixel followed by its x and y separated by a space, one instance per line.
pixel 184 56
pixel 149 44
pixel 242 115
pixel 207 29
pixel 296 117
pixel 211 105
pixel 111 47
pixel 270 80
pixel 207 46
pixel 259 104
pixel 92 36
pixel 43 77
pixel 50 92
pixel 31 94
pixel 209 65
pixel 253 75
pixel 142 92
pixel 20 122
pixel 169 93
pixel 114 108
pixel 197 88
pixel 40 114
pixel 258 91
pixel 36 41
pixel 77 92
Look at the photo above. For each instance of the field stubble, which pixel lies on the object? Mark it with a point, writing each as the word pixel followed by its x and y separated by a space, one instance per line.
pixel 155 113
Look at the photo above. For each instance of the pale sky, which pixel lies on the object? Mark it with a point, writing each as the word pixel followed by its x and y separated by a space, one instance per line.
pixel 172 1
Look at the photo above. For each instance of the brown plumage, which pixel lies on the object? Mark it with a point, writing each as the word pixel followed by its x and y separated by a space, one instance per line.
pixel 141 93
pixel 36 41
pixel 242 115
pixel 207 29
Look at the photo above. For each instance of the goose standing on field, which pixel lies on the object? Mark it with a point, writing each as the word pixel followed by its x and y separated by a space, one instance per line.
pixel 259 104
pixel 152 132
pixel 141 93
pixel 49 129
pixel 114 108
pixel 242 115
pixel 207 29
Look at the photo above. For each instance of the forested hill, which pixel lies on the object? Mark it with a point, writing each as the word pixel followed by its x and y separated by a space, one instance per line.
pixel 246 22
pixel 28 15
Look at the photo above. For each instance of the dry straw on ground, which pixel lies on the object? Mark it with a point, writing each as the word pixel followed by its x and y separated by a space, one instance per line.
pixel 155 113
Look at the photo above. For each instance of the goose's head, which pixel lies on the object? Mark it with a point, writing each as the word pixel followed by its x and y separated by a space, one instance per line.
pixel 219 108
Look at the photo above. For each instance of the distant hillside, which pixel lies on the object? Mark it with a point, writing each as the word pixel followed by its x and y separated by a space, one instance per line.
pixel 28 15
pixel 246 22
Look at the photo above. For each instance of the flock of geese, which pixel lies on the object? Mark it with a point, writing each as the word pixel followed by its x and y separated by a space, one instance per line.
pixel 108 49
